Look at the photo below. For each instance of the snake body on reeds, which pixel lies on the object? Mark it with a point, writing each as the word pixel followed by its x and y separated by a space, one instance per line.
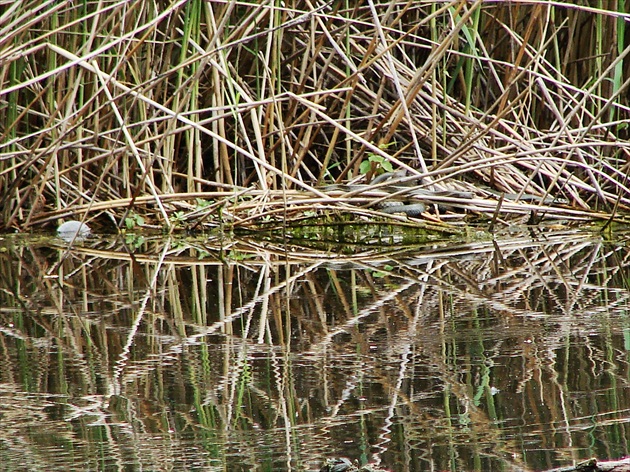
pixel 395 192
pixel 409 209
pixel 392 193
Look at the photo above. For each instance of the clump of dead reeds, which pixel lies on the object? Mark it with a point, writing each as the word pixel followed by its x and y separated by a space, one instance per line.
pixel 188 110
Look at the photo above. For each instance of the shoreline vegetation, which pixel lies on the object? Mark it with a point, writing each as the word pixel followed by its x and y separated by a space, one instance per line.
pixel 196 114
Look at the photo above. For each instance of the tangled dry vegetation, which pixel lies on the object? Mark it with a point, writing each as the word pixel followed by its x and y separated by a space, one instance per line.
pixel 194 113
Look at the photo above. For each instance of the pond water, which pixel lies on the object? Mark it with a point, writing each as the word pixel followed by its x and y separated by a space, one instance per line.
pixel 504 353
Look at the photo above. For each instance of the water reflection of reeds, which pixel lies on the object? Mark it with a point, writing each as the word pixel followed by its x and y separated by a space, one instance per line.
pixel 507 353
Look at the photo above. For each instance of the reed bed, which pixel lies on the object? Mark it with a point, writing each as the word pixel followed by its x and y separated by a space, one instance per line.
pixel 147 113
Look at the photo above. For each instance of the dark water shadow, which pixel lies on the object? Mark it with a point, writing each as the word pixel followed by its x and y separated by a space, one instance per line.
pixel 215 354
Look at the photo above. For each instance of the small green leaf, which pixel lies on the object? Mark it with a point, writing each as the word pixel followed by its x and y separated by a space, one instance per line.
pixel 365 167
pixel 383 273
pixel 201 203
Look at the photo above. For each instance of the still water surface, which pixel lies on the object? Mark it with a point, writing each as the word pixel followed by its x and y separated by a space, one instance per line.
pixel 211 354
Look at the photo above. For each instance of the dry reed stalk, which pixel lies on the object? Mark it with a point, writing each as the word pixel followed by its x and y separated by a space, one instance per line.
pixel 110 103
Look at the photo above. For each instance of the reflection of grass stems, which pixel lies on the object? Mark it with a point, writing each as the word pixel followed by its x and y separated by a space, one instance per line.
pixel 242 389
pixel 181 371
